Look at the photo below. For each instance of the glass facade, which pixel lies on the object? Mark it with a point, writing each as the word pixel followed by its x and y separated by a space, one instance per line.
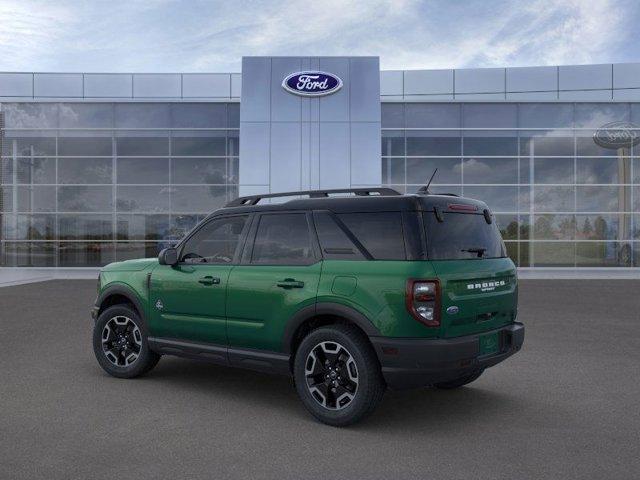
pixel 560 199
pixel 85 184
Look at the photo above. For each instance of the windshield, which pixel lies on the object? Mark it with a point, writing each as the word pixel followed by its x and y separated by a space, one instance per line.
pixel 462 236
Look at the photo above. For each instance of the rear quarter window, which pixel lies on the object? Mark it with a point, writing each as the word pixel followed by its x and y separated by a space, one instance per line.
pixel 380 233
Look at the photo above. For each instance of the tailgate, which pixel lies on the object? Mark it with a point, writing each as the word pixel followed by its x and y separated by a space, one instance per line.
pixel 477 295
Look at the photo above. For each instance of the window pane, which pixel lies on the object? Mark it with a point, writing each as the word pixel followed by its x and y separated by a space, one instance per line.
pixel 6 199
pixel 233 112
pixel 216 242
pixel 603 170
pixel 93 115
pixel 432 115
pixel 603 199
pixel 426 144
pixel 553 170
pixel 30 115
pixel 131 250
pixel 545 115
pixel 335 244
pixel 143 199
pixel 419 170
pixel 499 199
pixel 490 144
pixel 197 199
pixel 546 144
pixel 233 143
pixel 199 170
pixel 554 227
pixel 393 170
pixel 85 227
pixel 41 254
pixel 585 145
pixel 199 115
pixel 211 145
pixel 79 254
pixel 36 199
pixel 183 224
pixel 603 227
pixel 490 170
pixel 142 115
pixel 392 115
pixel 603 254
pixel 554 199
pixel 36 170
pixel 90 146
pixel 392 143
pixel 380 233
pixel 283 240
pixel 508 226
pixel 144 227
pixel 142 170
pixel 598 114
pixel 6 170
pixel 85 199
pixel 552 254
pixel 85 170
pixel 32 146
pixel 487 115
pixel 34 227
pixel 142 146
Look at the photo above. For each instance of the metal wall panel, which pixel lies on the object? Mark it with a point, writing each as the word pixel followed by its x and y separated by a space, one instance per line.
pixel 157 85
pixel 585 77
pixel 57 85
pixel 285 157
pixel 532 79
pixel 16 84
pixel 284 106
pixel 365 166
pixel 391 82
pixel 206 85
pixel 364 84
pixel 334 155
pixel 335 107
pixel 626 75
pixel 108 85
pixel 428 82
pixel 479 80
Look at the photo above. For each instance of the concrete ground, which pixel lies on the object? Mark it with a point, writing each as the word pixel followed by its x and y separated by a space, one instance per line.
pixel 565 407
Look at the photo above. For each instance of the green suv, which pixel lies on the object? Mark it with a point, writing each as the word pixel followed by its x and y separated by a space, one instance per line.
pixel 348 291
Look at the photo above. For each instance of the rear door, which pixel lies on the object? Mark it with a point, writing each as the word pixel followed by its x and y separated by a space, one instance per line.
pixel 278 276
pixel 188 299
pixel 478 280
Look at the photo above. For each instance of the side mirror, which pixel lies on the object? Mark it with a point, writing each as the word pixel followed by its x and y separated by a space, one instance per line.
pixel 168 256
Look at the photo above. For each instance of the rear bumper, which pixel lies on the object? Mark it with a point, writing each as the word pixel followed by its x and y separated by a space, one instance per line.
pixel 417 362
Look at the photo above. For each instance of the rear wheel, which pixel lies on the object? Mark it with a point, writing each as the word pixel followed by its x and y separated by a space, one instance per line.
pixel 120 343
pixel 337 375
pixel 459 382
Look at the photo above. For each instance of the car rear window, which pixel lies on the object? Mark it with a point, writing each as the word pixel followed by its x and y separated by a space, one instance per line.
pixel 380 233
pixel 462 236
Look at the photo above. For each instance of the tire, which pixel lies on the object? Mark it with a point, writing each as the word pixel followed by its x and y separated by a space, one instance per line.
pixel 349 386
pixel 120 343
pixel 459 382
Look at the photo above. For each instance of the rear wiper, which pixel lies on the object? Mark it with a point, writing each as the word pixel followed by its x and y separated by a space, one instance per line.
pixel 479 251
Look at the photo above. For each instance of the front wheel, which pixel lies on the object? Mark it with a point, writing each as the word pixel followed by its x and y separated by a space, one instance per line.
pixel 120 343
pixel 337 375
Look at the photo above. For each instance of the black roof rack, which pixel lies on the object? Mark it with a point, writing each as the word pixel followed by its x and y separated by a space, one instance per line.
pixel 361 192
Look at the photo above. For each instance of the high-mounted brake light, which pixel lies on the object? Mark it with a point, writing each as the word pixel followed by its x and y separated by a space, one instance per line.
pixel 423 301
pixel 460 207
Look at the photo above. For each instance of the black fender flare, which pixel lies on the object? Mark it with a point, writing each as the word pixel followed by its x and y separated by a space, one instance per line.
pixel 325 308
pixel 125 291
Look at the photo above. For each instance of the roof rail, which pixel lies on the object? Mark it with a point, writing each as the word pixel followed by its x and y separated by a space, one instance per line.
pixel 360 192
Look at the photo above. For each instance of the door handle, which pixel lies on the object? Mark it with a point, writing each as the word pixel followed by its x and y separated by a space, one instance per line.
pixel 290 283
pixel 209 280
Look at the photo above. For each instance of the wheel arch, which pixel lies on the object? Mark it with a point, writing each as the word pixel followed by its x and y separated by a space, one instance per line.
pixel 119 294
pixel 322 314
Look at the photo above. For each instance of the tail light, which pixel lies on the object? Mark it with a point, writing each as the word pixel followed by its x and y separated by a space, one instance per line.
pixel 423 301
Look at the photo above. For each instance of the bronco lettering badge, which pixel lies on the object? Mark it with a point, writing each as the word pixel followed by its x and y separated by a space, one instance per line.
pixel 486 286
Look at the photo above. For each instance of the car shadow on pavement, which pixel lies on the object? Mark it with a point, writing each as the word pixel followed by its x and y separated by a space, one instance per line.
pixel 400 410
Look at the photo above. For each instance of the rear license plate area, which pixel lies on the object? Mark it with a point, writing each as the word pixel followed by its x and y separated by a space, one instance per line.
pixel 489 344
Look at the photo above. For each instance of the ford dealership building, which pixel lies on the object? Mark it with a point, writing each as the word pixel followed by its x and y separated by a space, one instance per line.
pixel 102 167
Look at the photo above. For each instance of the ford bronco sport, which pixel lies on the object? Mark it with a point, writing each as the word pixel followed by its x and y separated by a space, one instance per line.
pixel 348 291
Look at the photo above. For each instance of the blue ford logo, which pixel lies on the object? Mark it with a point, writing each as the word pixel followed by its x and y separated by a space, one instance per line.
pixel 312 84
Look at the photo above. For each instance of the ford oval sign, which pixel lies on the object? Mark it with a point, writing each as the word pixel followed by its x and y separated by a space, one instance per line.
pixel 312 84
pixel 617 135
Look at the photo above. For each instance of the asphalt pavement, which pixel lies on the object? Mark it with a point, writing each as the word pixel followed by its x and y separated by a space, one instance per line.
pixel 565 407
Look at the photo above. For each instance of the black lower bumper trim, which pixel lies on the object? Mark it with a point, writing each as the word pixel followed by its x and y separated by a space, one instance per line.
pixel 417 362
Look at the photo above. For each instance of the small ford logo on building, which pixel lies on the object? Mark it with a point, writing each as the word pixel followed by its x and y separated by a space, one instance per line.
pixel 312 83
pixel 617 135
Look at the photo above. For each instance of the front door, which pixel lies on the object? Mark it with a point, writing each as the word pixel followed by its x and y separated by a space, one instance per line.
pixel 278 276
pixel 188 300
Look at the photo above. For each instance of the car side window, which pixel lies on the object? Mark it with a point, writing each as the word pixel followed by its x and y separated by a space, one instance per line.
pixel 334 242
pixel 283 239
pixel 215 242
pixel 381 233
